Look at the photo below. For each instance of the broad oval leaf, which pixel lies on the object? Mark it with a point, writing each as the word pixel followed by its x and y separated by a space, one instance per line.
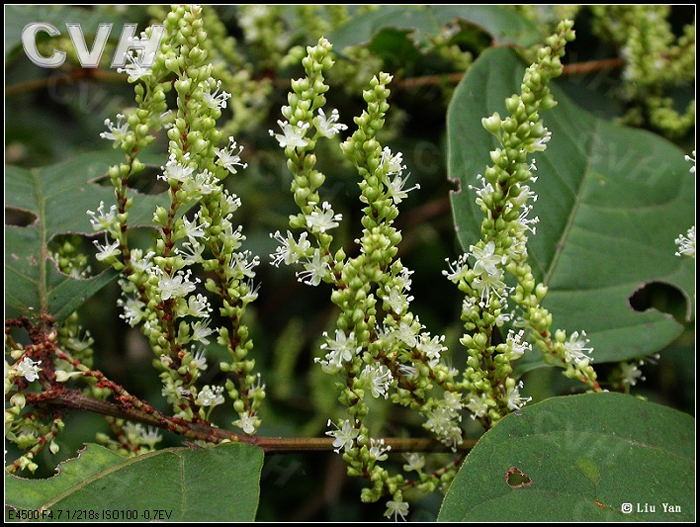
pixel 221 483
pixel 594 457
pixel 503 24
pixel 57 197
pixel 612 200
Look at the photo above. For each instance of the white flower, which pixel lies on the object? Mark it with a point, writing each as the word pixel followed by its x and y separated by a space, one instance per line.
pixel 478 405
pixel 116 132
pixel 630 373
pixel 193 229
pixel 209 396
pixel 513 399
pixel 322 221
pixel 141 262
pixel 403 279
pixel 28 369
pixel 176 171
pixel 456 268
pixel 575 349
pixel 487 261
pixel 239 262
pixel 686 245
pixel 408 333
pixel 515 345
pixel 251 292
pixel 133 310
pixel 150 437
pixel 452 437
pixel 341 349
pixel 442 421
pixel 691 159
pixel 378 378
pixel 469 306
pixel 198 306
pixel 191 252
pixel 391 163
pixel 484 193
pixel 102 221
pixel 525 195
pixel 229 158
pixel 344 436
pixel 377 449
pixel 202 184
pixel 173 391
pixel 292 136
pixel 488 284
pixel 396 508
pixel 234 238
pixel 258 388
pixel 133 429
pixel 134 68
pixel 396 191
pixel 289 250
pixel 432 347
pixel 397 301
pixel 452 402
pixel 216 100
pixel 175 286
pixel 246 422
pixel 201 331
pixel 78 343
pixel 328 126
pixel 414 461
pixel 541 144
pixel 503 317
pixel 230 202
pixel 108 250
pixel 518 250
pixel 315 269
pixel 525 223
pixel 200 358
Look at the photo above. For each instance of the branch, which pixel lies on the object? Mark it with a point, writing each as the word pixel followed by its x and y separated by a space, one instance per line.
pixel 64 78
pixel 76 400
pixel 579 68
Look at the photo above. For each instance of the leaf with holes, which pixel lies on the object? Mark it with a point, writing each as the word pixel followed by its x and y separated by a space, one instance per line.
pixel 579 458
pixel 176 481
pixel 56 199
pixel 612 200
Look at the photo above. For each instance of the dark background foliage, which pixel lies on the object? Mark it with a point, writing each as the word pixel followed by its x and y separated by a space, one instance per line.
pixel 52 115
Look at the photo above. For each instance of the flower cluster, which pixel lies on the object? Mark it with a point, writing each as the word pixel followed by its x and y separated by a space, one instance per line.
pixel 656 62
pixel 686 244
pixel 161 293
pixel 504 197
pixel 379 348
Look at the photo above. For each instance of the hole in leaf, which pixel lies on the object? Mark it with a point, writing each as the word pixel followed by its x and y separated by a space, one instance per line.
pixel 661 296
pixel 73 254
pixel 18 217
pixel 517 479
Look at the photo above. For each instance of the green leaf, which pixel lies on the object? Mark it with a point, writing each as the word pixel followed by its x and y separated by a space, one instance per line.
pixel 221 483
pixel 612 200
pixel 579 458
pixel 18 16
pixel 503 24
pixel 57 197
